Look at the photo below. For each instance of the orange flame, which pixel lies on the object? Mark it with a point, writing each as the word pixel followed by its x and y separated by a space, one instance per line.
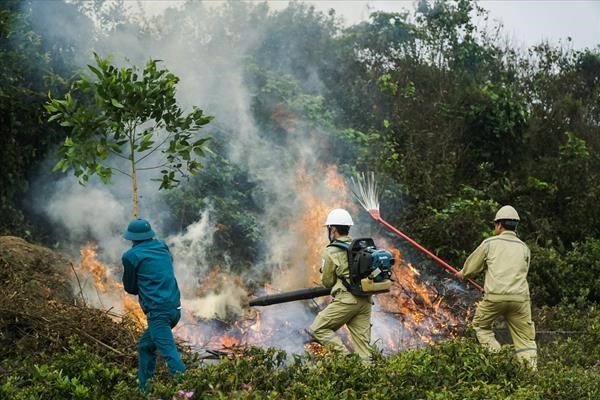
pixel 413 313
pixel 106 284
pixel 319 195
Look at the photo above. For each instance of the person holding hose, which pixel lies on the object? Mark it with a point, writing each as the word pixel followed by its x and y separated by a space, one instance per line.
pixel 148 273
pixel 345 309
pixel 505 260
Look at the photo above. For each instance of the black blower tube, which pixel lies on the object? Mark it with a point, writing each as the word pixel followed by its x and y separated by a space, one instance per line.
pixel 300 294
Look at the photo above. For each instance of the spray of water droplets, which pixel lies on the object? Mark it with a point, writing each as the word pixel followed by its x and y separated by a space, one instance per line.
pixel 364 188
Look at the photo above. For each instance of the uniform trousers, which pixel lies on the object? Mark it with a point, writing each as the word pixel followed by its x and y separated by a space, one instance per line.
pixel 357 317
pixel 520 326
pixel 158 336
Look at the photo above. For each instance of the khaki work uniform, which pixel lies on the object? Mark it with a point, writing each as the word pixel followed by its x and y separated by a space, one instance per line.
pixel 505 259
pixel 345 309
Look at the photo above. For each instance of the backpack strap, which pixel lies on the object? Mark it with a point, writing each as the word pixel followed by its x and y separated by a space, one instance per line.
pixel 339 244
pixel 344 246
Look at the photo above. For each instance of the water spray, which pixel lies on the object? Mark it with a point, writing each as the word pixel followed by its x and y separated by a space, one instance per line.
pixel 364 188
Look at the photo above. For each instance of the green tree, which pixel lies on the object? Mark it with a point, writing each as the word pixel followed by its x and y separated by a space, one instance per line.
pixel 27 73
pixel 495 120
pixel 131 116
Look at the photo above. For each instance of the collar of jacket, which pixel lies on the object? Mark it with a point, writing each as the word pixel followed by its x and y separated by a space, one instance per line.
pixel 136 242
pixel 345 238
pixel 509 233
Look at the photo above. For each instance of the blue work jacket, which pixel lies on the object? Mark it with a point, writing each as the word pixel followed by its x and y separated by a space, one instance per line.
pixel 148 272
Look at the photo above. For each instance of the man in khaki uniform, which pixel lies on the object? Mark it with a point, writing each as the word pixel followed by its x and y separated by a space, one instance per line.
pixel 345 309
pixel 505 259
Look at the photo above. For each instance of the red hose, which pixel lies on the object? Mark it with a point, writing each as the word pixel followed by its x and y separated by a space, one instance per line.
pixel 375 214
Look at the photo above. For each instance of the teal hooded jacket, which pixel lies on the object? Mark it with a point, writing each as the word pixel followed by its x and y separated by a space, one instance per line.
pixel 148 272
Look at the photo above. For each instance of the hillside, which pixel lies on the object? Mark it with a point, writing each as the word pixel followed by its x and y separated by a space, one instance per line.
pixel 40 313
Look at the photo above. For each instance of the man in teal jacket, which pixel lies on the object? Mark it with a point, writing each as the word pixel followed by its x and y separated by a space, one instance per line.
pixel 148 273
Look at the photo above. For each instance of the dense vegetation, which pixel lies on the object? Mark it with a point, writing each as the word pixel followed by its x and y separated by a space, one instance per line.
pixel 456 369
pixel 453 121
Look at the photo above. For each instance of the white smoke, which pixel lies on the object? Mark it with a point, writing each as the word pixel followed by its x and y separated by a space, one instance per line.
pixel 224 302
pixel 190 255
pixel 88 213
pixel 190 249
pixel 210 61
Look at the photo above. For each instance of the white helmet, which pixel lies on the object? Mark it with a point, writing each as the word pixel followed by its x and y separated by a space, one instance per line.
pixel 507 212
pixel 339 216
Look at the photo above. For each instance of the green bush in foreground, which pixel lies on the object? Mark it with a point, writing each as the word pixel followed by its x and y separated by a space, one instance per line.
pixel 454 369
pixel 75 374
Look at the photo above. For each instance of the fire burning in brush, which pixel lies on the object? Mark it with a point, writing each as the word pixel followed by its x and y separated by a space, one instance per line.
pixel 419 306
pixel 414 313
pixel 92 275
pixel 366 192
pixel 310 231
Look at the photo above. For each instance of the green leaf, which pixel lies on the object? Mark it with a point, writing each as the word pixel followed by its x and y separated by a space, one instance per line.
pixel 115 147
pixel 55 117
pixel 58 166
pixel 116 103
pixel 96 71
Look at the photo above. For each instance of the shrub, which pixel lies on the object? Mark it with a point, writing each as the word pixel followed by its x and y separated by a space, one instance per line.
pixel 75 374
pixel 450 370
pixel 583 281
pixel 557 381
pixel 573 277
pixel 572 335
pixel 547 275
pixel 460 226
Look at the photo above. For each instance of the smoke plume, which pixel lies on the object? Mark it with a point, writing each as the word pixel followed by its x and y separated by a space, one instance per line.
pixel 209 52
pixel 238 62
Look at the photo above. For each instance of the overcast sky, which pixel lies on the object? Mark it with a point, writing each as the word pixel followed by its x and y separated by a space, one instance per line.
pixel 526 22
pixel 531 21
